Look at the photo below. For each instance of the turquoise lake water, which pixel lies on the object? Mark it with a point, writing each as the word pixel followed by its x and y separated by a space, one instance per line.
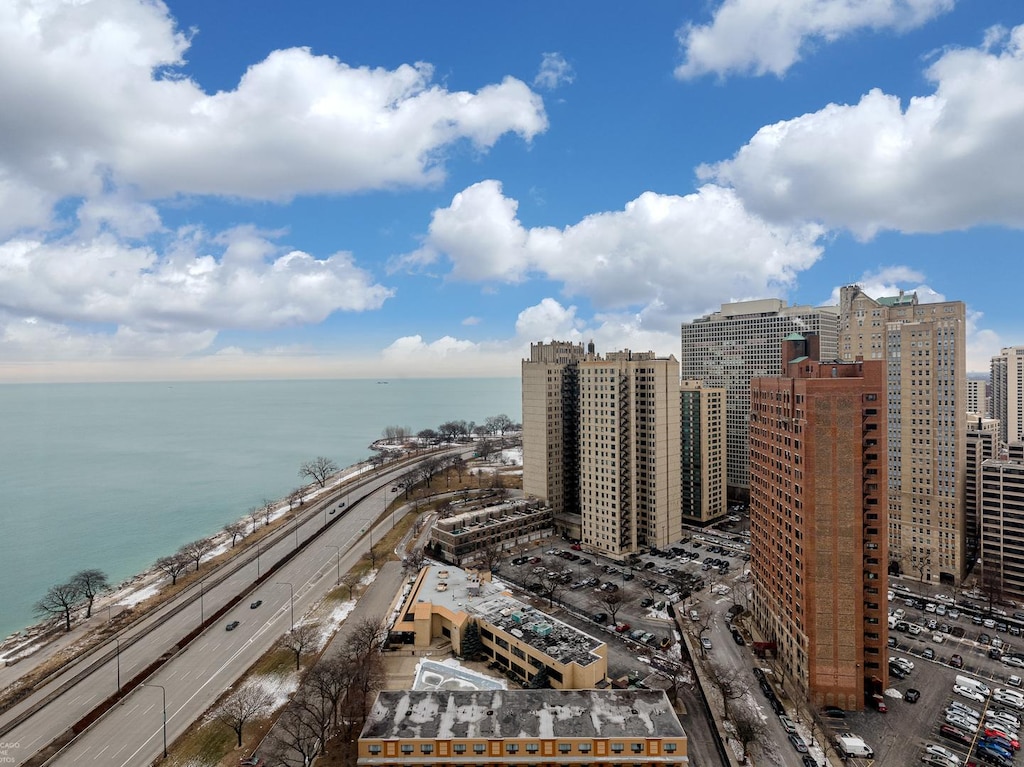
pixel 113 476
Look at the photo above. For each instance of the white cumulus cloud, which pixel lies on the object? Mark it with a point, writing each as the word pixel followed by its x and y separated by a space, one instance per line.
pixel 554 72
pixel 946 161
pixel 769 36
pixel 663 256
pixel 92 95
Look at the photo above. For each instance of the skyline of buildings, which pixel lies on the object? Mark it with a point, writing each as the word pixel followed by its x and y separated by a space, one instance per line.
pixel 739 342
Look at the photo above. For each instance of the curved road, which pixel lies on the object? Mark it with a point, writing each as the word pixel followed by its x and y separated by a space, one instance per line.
pixel 195 676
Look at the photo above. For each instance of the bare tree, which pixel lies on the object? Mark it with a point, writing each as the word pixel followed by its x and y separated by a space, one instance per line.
pixel 611 602
pixel 295 739
pixel 750 727
pixel 173 566
pixel 251 701
pixel 317 711
pixel 196 550
pixel 991 584
pixel 729 681
pixel 428 469
pixel 705 619
pixel 413 561
pixel 922 563
pixel 294 499
pixel 486 448
pixel 300 639
pixel 330 679
pixel 236 530
pixel 268 510
pixel 318 470
pixel 497 424
pixel 488 557
pixel 89 584
pixel 458 463
pixel 254 515
pixel 349 581
pixel 60 600
pixel 366 638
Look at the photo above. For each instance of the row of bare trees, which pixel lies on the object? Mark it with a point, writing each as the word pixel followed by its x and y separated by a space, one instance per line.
pixel 65 599
pixel 453 431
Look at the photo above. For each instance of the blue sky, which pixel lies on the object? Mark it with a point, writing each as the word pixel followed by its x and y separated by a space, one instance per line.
pixel 235 189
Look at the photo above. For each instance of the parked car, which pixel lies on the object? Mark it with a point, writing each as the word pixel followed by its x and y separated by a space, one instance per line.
pixel 912 695
pixel 968 692
pixel 928 653
pixel 787 724
pixel 937 750
pixel 705 643
pixel 834 712
pixel 956 660
pixel 798 743
pixel 955 734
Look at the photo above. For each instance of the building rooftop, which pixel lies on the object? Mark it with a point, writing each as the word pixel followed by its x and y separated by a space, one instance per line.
pixel 446 715
pixel 462 591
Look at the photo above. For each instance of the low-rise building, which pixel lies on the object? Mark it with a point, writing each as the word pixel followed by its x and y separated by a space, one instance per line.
pixel 460 538
pixel 522 727
pixel 516 638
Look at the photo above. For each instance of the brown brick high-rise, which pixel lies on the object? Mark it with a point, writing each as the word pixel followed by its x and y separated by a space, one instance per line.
pixel 818 522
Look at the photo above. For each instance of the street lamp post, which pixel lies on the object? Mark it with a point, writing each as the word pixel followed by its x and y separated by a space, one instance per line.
pixel 163 695
pixel 295 524
pixel 337 549
pixel 291 600
pixel 202 607
pixel 117 640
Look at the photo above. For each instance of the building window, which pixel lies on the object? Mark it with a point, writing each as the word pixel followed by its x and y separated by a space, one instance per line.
pixel 532 748
pixel 427 748
pixel 638 748
pixel 564 748
pixel 669 748
pixel 617 748
pixel 584 748
pixel 511 748
pixel 459 748
pixel 406 748
pixel 375 749
pixel 479 748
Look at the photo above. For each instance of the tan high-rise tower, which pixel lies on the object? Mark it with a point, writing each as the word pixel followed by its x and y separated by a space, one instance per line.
pixel 924 346
pixel 629 451
pixel 550 424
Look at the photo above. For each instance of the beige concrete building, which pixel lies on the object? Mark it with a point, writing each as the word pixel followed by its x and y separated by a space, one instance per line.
pixel 727 348
pixel 703 488
pixel 1007 373
pixel 629 442
pixel 522 727
pixel 518 639
pixel 978 403
pixel 550 427
pixel 981 444
pixel 924 346
pixel 818 523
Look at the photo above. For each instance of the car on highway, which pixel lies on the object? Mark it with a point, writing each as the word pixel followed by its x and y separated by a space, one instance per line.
pixel 254 605
pixel 232 626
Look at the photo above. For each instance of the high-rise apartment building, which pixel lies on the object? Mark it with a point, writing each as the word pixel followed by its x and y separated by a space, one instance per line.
pixel 702 453
pixel 1007 374
pixel 818 522
pixel 981 444
pixel 550 427
pixel 1002 525
pixel 740 342
pixel 629 427
pixel 924 348
pixel 977 397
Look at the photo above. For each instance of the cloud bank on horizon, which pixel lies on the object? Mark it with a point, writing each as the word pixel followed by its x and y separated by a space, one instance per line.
pixel 322 199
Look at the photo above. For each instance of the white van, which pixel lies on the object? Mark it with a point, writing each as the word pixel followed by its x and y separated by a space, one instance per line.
pixel 973 684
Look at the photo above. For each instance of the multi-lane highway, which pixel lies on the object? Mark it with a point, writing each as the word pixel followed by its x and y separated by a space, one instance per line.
pixel 194 676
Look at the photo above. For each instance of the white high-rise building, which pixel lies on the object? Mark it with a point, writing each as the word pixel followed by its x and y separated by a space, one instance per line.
pixel 1008 393
pixel 742 341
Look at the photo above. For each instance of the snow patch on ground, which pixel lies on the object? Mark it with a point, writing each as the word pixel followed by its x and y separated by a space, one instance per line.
pixel 133 598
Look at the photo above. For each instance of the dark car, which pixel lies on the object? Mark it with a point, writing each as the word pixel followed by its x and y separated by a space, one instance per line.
pixel 232 626
pixel 600 618
pixel 254 605
pixel 808 761
pixel 834 711
pixel 912 695
pixel 897 672
pixel 956 661
pixel 737 637
pixel 949 732
pixel 776 705
pixel 250 761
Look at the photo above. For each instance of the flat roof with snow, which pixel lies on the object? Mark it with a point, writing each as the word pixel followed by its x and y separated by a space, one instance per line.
pixel 449 715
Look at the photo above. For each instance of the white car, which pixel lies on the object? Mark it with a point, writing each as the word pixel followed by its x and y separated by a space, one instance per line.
pixel 937 750
pixel 1014 681
pixel 1012 701
pixel 938 638
pixel 958 712
pixel 955 705
pixel 1013 660
pixel 1005 717
pixel 787 723
pixel 962 722
pixel 969 693
pixel 904 663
